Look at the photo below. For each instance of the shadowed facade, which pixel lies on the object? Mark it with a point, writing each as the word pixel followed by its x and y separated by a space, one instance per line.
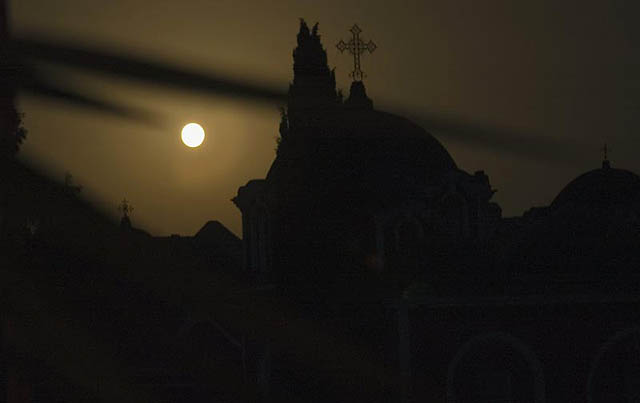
pixel 365 219
pixel 374 270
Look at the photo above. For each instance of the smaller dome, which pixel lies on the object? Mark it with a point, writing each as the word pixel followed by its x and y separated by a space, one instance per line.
pixel 603 187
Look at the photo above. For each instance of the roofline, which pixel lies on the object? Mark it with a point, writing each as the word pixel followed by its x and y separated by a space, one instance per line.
pixel 485 301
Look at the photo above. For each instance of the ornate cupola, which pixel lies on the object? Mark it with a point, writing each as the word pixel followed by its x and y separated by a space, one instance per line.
pixel 358 97
pixel 605 162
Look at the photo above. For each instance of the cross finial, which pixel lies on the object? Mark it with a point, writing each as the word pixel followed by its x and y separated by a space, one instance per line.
pixel 356 47
pixel 605 150
pixel 126 207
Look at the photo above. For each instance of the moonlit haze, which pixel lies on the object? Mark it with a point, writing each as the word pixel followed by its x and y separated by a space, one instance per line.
pixel 563 70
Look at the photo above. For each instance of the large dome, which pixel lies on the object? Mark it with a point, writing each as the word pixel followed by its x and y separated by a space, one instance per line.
pixel 365 153
pixel 604 187
pixel 345 152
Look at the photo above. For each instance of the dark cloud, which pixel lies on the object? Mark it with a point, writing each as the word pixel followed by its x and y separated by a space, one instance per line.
pixel 521 89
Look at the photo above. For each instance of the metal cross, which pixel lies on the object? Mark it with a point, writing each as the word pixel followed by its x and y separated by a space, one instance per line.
pixel 125 207
pixel 605 149
pixel 356 46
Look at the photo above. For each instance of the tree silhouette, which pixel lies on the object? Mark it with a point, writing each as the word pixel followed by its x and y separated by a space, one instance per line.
pixel 13 132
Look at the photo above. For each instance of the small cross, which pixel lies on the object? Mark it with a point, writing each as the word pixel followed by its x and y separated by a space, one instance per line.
pixel 125 207
pixel 356 47
pixel 605 150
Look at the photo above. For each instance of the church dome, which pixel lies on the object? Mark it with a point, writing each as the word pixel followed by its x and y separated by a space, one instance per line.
pixel 347 150
pixel 604 187
pixel 366 153
pixel 589 233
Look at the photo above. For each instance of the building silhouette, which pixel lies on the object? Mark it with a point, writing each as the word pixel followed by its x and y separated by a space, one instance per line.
pixel 371 268
pixel 365 219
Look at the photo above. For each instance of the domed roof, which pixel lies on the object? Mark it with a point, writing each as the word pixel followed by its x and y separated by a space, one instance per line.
pixel 603 187
pixel 347 151
pixel 368 153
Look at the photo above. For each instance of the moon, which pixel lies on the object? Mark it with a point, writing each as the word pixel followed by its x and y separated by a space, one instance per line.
pixel 192 135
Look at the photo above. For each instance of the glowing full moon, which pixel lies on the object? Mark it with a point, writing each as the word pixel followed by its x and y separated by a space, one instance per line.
pixel 192 135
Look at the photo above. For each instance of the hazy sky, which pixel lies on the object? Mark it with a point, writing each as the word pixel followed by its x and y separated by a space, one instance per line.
pixel 568 70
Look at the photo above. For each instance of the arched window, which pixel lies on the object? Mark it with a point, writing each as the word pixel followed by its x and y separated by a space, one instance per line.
pixel 615 371
pixel 497 368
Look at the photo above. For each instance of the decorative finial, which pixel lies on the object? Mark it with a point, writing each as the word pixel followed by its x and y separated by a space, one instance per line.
pixel 605 162
pixel 125 207
pixel 356 47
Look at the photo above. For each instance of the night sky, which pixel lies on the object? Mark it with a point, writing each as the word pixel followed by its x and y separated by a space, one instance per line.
pixel 568 71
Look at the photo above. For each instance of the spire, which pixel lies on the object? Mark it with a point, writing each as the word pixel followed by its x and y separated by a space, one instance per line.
pixel 605 161
pixel 126 208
